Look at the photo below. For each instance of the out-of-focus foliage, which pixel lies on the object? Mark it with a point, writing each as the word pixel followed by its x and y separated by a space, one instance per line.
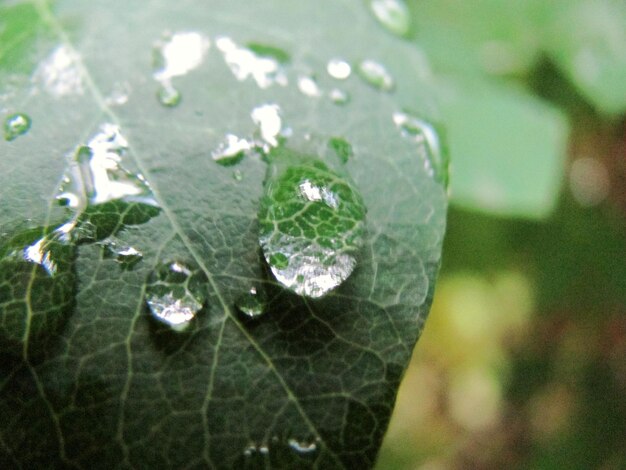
pixel 502 139
pixel 522 363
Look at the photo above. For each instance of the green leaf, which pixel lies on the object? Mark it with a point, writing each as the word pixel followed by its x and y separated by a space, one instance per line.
pixel 494 37
pixel 508 148
pixel 148 214
pixel 586 39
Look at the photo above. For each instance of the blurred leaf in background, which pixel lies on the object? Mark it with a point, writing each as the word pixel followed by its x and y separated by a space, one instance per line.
pixel 523 361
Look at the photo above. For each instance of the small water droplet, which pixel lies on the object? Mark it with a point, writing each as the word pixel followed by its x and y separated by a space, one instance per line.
pixel 312 223
pixel 308 86
pixel 16 125
pixel 339 97
pixel 394 15
pixel 119 95
pixel 102 195
pixel 268 120
pixel 338 68
pixel 253 303
pixel 376 75
pixel 175 293
pixel 263 63
pixel 126 256
pixel 168 95
pixel 174 56
pixel 425 137
pixel 60 73
pixel 303 447
pixel 237 175
pixel 342 148
pixel 231 151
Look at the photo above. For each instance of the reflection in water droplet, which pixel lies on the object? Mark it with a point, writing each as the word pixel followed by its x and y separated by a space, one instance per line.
pixel 268 120
pixel 16 125
pixel 168 95
pixel 253 303
pixel 238 175
pixel 339 69
pixel 394 15
pixel 104 196
pixel 175 294
pixel 231 151
pixel 263 63
pixel 60 73
pixel 339 97
pixel 37 286
pixel 376 75
pixel 312 224
pixel 176 56
pixel 342 148
pixel 424 135
pixel 308 86
pixel 303 447
pixel 126 256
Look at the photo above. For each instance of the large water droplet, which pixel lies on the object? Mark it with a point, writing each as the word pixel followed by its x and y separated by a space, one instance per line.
pixel 261 62
pixel 175 293
pixel 341 147
pixel 312 223
pixel 308 86
pixel 429 148
pixel 37 286
pixel 338 68
pixel 102 195
pixel 394 15
pixel 253 303
pixel 376 75
pixel 16 125
pixel 175 56
pixel 231 151
pixel 339 97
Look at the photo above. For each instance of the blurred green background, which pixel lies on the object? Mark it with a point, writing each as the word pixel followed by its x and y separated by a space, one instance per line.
pixel 522 363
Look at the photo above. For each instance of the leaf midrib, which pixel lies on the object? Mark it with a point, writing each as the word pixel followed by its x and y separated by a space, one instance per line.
pixel 48 17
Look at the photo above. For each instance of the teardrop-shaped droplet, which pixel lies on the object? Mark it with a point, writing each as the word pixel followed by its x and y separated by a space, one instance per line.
pixel 37 286
pixel 376 75
pixel 231 151
pixel 252 303
pixel 168 96
pixel 312 223
pixel 394 15
pixel 338 68
pixel 339 97
pixel 16 125
pixel 341 147
pixel 175 293
pixel 101 194
pixel 428 144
